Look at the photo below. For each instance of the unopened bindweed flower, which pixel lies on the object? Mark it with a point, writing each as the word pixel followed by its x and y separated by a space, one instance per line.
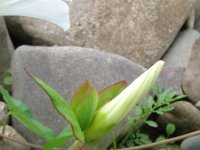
pixel 55 11
pixel 114 111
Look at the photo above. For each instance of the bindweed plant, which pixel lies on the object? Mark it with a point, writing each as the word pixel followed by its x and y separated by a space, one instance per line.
pixel 158 103
pixel 91 114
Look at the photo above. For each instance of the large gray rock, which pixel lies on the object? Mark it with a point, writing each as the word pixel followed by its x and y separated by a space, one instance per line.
pixel 185 116
pixel 6 49
pixel 26 30
pixel 64 68
pixel 141 30
pixel 171 77
pixel 6 144
pixel 191 77
pixel 179 53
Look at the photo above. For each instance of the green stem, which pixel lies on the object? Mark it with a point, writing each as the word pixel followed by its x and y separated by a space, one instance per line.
pixel 77 145
pixel 137 126
pixel 114 140
pixel 5 121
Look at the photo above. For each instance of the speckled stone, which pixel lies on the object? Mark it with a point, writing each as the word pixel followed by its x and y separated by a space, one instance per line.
pixel 33 31
pixel 191 76
pixel 179 53
pixel 198 104
pixel 6 144
pixel 65 69
pixel 191 143
pixel 185 116
pixel 140 30
pixel 171 77
pixel 6 49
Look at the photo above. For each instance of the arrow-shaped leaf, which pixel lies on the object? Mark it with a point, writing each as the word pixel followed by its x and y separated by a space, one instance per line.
pixel 62 106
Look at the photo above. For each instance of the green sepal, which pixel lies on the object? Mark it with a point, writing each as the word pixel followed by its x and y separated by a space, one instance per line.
pixel 85 103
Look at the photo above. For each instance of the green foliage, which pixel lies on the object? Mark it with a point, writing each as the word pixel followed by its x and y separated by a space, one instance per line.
pixel 91 115
pixel 84 104
pixel 138 138
pixel 7 80
pixel 151 123
pixel 170 129
pixel 61 105
pixel 158 103
pixel 60 140
pixel 79 113
pixel 21 112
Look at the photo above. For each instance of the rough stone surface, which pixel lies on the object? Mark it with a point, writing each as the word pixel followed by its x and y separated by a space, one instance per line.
pixel 3 112
pixel 197 10
pixel 6 49
pixel 9 145
pixel 191 76
pixel 185 116
pixel 191 143
pixel 197 26
pixel 171 77
pixel 65 69
pixel 179 53
pixel 140 30
pixel 26 30
pixel 198 104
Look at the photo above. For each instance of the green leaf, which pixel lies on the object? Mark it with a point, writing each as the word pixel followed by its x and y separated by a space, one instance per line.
pixel 60 140
pixel 160 138
pixel 84 104
pixel 138 110
pixel 151 123
pixel 8 80
pixel 178 98
pixel 16 104
pixel 150 102
pixel 170 94
pixel 132 122
pixel 170 129
pixel 159 112
pixel 22 113
pixel 110 93
pixel 142 138
pixel 166 108
pixel 157 89
pixel 62 106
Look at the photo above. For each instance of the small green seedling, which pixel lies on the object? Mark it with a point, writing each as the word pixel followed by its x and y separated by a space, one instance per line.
pixel 159 103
